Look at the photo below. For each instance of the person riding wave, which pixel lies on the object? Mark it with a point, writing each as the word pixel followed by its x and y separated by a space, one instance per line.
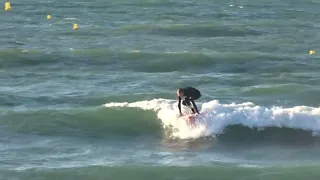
pixel 188 94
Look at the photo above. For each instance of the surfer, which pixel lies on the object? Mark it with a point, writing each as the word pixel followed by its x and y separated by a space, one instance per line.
pixel 189 94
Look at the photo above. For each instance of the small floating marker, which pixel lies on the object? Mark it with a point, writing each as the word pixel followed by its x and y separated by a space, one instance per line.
pixel 312 52
pixel 49 17
pixel 75 27
pixel 7 6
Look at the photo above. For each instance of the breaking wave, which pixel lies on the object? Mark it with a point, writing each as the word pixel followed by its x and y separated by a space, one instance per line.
pixel 216 117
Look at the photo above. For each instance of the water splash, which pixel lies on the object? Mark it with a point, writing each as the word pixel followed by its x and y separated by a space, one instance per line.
pixel 215 117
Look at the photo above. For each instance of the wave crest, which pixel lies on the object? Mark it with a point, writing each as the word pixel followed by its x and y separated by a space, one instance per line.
pixel 215 117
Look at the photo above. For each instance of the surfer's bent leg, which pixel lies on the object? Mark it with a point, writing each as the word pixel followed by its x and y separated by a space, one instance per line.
pixel 187 102
pixel 196 95
pixel 194 107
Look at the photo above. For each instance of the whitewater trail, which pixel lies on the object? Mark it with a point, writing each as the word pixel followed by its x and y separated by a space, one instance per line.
pixel 215 117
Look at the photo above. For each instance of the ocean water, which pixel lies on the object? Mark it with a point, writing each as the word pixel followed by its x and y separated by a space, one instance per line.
pixel 100 102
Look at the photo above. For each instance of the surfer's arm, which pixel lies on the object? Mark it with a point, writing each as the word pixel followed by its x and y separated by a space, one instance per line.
pixel 179 105
pixel 195 106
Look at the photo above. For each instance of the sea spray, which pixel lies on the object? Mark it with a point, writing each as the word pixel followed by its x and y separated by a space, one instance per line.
pixel 215 117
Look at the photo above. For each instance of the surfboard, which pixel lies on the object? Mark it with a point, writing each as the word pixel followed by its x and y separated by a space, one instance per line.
pixel 190 117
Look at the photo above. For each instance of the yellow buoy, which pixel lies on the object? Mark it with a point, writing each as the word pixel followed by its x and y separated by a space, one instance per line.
pixel 7 6
pixel 49 17
pixel 75 27
pixel 312 52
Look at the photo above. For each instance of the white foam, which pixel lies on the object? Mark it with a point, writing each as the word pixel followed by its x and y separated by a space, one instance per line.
pixel 215 116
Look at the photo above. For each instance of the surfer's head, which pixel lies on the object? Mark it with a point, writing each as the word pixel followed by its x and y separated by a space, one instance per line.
pixel 180 92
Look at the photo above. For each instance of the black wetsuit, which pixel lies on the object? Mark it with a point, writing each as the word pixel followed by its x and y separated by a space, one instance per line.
pixel 189 94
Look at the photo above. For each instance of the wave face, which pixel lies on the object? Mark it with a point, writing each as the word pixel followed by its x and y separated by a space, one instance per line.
pixel 81 122
pixel 229 122
pixel 216 117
